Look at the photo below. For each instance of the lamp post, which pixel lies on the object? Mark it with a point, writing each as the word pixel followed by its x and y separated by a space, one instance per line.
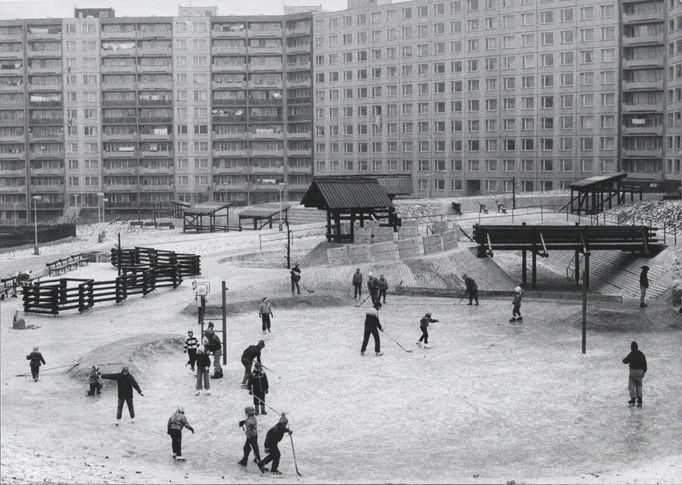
pixel 100 196
pixel 15 213
pixel 281 189
pixel 36 198
pixel 103 201
pixel 75 196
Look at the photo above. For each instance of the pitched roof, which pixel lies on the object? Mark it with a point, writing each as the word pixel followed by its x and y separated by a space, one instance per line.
pixel 206 208
pixel 262 212
pixel 396 184
pixel 598 180
pixel 350 192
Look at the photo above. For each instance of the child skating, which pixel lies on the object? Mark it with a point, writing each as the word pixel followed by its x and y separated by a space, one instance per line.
pixel 176 422
pixel 250 427
pixel 36 359
pixel 203 365
pixel 516 312
pixel 424 327
pixel 95 381
pixel 191 346
pixel 258 387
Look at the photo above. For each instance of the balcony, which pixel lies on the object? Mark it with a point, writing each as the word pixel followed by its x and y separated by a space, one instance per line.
pixel 48 171
pixel 127 69
pixel 298 31
pixel 232 187
pixel 301 117
pixel 155 137
pixel 43 35
pixel 15 138
pixel 130 137
pixel 643 85
pixel 229 153
pixel 47 137
pixel 118 86
pixel 228 67
pixel 119 103
pixel 120 154
pixel 643 40
pixel 11 88
pixel 18 36
pixel 158 188
pixel 17 55
pixel 41 189
pixel 266 102
pixel 121 171
pixel 12 156
pixel 155 102
pixel 265 136
pixel 644 62
pixel 142 86
pixel 300 100
pixel 276 50
pixel 45 104
pixel 299 152
pixel 45 87
pixel 231 119
pixel 12 121
pixel 147 50
pixel 45 69
pixel 265 33
pixel 218 85
pixel 232 170
pixel 262 85
pixel 642 153
pixel 33 54
pixel 131 120
pixel 299 84
pixel 228 50
pixel 12 189
pixel 17 103
pixel 236 102
pixel 264 68
pixel 161 34
pixel 298 66
pixel 276 119
pixel 303 49
pixel 266 153
pixel 642 130
pixel 156 153
pixel 9 206
pixel 156 171
pixel 228 34
pixel 40 155
pixel 653 15
pixel 229 136
pixel 643 108
pixel 155 119
pixel 118 36
pixel 46 121
pixel 125 204
pixel 147 69
pixel 122 188
pixel 300 135
pixel 267 170
pixel 300 170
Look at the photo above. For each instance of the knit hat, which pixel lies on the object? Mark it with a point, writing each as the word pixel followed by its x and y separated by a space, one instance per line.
pixel 249 410
pixel 258 366
pixel 181 409
pixel 283 419
pixel 265 298
pixel 125 369
pixel 518 289
pixel 35 349
pixel 189 332
pixel 645 267
pixel 427 314
pixel 261 344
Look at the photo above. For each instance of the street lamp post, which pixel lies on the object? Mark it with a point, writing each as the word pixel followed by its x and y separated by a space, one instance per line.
pixel 75 196
pixel 36 198
pixel 15 213
pixel 103 201
pixel 100 215
pixel 281 189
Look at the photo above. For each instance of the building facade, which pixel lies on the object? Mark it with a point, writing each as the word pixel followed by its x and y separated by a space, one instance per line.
pixel 134 112
pixel 476 96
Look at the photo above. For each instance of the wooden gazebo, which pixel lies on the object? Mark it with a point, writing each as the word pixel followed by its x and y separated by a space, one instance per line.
pixel 591 195
pixel 206 217
pixel 350 199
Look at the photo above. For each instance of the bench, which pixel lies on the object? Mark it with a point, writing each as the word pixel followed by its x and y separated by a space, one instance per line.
pixel 65 264
pixel 9 287
pixel 168 225
pixel 136 223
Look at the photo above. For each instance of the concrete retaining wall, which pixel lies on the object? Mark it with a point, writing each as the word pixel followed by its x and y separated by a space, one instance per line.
pixel 359 253
pixel 384 251
pixel 410 248
pixel 338 256
pixel 449 239
pixel 433 244
pixel 408 230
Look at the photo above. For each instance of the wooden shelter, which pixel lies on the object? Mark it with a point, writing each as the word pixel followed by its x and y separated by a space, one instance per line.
pixel 350 199
pixel 591 195
pixel 206 217
pixel 264 213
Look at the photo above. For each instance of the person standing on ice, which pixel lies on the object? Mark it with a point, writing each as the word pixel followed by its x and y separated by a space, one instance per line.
pixel 176 422
pixel 126 383
pixel 382 288
pixel 471 288
pixel 295 273
pixel 203 366
pixel 258 387
pixel 214 346
pixel 95 381
pixel 372 327
pixel 250 427
pixel 638 368
pixel 265 313
pixel 373 288
pixel 424 327
pixel 36 359
pixel 357 284
pixel 191 345
pixel 643 285
pixel 272 439
pixel 250 353
pixel 516 302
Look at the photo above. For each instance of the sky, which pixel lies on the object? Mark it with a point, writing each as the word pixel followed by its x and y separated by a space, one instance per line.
pixel 21 9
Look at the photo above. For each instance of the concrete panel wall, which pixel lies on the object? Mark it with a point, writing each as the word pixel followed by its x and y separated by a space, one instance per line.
pixel 359 253
pixel 338 256
pixel 382 234
pixel 384 251
pixel 440 226
pixel 408 230
pixel 449 240
pixel 433 244
pixel 410 248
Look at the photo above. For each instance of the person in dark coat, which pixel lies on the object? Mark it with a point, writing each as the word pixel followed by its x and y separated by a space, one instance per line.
pixel 638 368
pixel 95 381
pixel 213 346
pixel 272 439
pixel 250 427
pixel 191 345
pixel 36 359
pixel 265 313
pixel 295 273
pixel 126 383
pixel 424 327
pixel 373 288
pixel 471 288
pixel 372 327
pixel 643 285
pixel 382 288
pixel 176 422
pixel 250 353
pixel 258 387
pixel 357 284
pixel 203 365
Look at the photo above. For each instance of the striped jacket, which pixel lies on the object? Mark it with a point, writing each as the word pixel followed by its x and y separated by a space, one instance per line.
pixel 191 343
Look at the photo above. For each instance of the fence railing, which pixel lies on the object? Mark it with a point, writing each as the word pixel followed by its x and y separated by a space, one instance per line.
pixel 190 264
pixel 295 233
pixel 671 229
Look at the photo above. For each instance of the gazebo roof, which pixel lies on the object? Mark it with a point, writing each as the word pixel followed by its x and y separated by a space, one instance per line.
pixel 597 180
pixel 206 208
pixel 346 192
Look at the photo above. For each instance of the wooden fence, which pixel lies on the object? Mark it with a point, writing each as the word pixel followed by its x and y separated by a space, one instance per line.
pixel 190 264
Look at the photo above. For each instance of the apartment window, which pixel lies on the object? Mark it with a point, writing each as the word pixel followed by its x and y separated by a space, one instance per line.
pixel 547 38
pixel 586 35
pixel 566 37
pixel 586 13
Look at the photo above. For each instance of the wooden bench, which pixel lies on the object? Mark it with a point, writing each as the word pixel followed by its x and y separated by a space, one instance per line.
pixel 136 223
pixel 168 225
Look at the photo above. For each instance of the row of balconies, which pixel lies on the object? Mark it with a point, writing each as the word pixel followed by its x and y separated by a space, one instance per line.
pixel 262 153
pixel 135 68
pixel 131 103
pixel 643 62
pixel 652 15
pixel 656 85
pixel 140 86
pixel 642 130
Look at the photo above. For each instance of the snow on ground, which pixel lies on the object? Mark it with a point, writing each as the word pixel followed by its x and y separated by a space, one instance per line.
pixel 491 402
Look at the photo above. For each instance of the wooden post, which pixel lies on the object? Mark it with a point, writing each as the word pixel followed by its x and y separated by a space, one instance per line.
pixel 584 329
pixel 523 266
pixel 576 267
pixel 224 308
pixel 534 269
pixel 200 315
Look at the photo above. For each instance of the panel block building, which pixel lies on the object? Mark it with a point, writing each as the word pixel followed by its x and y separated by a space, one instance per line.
pixel 134 112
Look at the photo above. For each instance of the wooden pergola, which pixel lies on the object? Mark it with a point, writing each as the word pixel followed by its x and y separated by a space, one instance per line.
pixel 350 199
pixel 264 213
pixel 591 195
pixel 206 217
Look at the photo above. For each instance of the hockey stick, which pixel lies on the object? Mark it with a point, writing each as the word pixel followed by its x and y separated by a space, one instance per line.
pixel 397 343
pixel 267 405
pixel 266 368
pixel 306 289
pixel 363 301
pixel 70 366
pixel 293 452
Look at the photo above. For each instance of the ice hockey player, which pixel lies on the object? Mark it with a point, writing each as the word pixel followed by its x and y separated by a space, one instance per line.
pixel 250 427
pixel 516 312
pixel 258 387
pixel 203 366
pixel 36 359
pixel 357 284
pixel 213 346
pixel 95 381
pixel 272 439
pixel 424 327
pixel 176 422
pixel 471 288
pixel 371 325
pixel 295 274
pixel 265 313
pixel 250 353
pixel 638 368
pixel 191 345
pixel 126 382
pixel 373 288
pixel 382 288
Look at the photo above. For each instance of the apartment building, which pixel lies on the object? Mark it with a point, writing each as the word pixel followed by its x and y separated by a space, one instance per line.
pixel 474 96
pixel 134 112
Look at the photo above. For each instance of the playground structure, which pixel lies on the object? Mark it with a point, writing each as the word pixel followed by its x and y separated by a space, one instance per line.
pixel 141 271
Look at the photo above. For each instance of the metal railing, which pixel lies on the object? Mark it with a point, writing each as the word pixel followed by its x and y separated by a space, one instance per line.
pixel 296 234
